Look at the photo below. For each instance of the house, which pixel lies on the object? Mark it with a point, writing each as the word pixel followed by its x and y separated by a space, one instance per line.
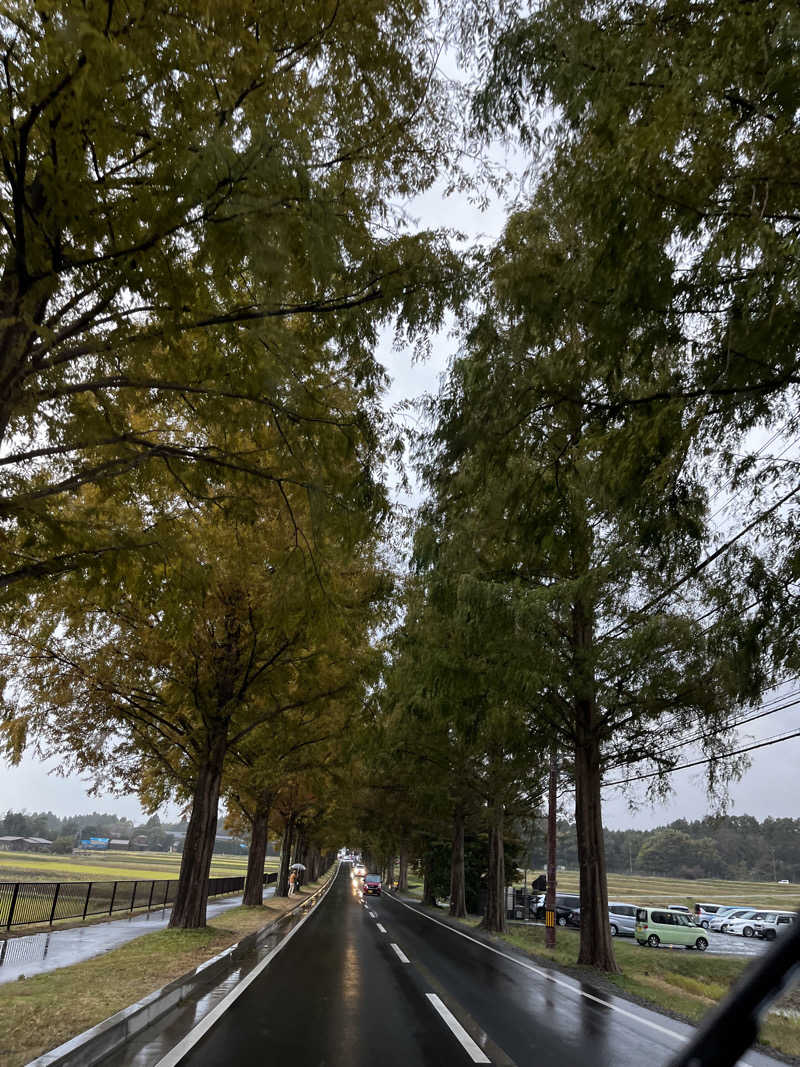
pixel 37 844
pixel 119 843
pixel 25 844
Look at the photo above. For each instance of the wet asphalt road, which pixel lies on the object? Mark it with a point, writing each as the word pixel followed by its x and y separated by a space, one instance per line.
pixel 357 986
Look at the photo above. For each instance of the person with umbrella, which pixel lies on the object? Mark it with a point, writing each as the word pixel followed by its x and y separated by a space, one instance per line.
pixel 294 877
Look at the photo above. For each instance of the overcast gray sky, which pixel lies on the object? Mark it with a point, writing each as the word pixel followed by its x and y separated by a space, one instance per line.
pixel 769 787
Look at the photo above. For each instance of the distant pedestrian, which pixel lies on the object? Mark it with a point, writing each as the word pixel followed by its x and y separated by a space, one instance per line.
pixel 292 880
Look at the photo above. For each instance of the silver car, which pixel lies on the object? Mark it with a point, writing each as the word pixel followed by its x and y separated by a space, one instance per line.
pixel 722 919
pixel 622 919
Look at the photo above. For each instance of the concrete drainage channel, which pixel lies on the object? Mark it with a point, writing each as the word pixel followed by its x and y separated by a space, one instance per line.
pixel 142 1033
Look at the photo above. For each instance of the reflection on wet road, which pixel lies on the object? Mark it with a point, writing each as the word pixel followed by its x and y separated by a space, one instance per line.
pixel 383 982
pixel 37 953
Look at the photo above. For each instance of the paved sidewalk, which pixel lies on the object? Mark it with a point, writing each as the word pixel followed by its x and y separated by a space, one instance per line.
pixel 36 953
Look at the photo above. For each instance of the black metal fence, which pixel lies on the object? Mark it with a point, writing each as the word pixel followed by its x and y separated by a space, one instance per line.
pixel 23 903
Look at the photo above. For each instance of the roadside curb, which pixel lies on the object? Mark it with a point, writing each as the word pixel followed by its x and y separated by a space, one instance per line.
pixel 94 1044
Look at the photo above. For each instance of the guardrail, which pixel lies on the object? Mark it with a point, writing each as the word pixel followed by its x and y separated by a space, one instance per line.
pixel 26 903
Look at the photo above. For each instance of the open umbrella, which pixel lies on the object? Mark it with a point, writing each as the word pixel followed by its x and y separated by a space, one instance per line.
pixel 297 866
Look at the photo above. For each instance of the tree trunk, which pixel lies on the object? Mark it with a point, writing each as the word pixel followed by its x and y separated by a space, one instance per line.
pixel 191 899
pixel 458 901
pixel 259 830
pixel 550 893
pixel 428 895
pixel 390 870
pixel 300 856
pixel 282 885
pixel 596 949
pixel 402 873
pixel 495 918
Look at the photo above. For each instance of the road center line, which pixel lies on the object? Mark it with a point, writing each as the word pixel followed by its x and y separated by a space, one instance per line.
pixel 473 1050
pixel 400 954
pixel 382 928
pixel 549 976
pixel 372 915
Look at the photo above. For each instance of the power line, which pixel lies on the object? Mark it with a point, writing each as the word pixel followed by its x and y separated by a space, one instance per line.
pixel 729 481
pixel 694 571
pixel 698 763
pixel 731 725
pixel 742 488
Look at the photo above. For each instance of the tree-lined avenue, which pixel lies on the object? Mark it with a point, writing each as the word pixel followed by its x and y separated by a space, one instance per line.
pixel 367 981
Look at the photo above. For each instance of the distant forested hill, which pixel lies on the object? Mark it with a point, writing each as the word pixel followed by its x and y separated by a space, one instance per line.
pixel 727 846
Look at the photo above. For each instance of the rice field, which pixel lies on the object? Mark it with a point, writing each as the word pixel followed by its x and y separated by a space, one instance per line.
pixel 641 889
pixel 111 866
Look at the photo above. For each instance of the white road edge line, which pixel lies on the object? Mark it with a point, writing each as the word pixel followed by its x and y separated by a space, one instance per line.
pixel 473 1050
pixel 549 977
pixel 186 1044
pixel 382 928
pixel 400 954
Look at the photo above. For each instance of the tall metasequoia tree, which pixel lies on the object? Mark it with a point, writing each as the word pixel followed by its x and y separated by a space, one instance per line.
pixel 268 762
pixel 234 630
pixel 188 202
pixel 675 136
pixel 446 709
pixel 529 485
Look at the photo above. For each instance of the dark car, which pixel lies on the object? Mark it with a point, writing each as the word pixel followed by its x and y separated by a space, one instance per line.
pixel 568 916
pixel 371 884
pixel 568 910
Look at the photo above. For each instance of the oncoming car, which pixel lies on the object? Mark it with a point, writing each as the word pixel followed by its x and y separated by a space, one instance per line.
pixel 657 926
pixel 371 884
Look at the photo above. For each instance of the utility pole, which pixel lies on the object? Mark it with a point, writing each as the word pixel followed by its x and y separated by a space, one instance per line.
pixel 550 894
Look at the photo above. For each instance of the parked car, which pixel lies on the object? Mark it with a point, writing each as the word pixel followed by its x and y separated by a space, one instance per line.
pixel 371 884
pixel 772 927
pixel 565 902
pixel 743 927
pixel 704 913
pixel 659 926
pixel 679 907
pixel 724 916
pixel 622 919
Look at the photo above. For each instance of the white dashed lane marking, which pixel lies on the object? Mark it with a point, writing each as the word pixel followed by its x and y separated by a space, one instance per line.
pixel 474 1051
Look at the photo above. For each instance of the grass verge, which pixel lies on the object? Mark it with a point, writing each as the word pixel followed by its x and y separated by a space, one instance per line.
pixel 682 984
pixel 39 1013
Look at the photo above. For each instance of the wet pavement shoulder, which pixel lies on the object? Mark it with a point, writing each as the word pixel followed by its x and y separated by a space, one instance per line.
pixel 26 955
pixel 107 1041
